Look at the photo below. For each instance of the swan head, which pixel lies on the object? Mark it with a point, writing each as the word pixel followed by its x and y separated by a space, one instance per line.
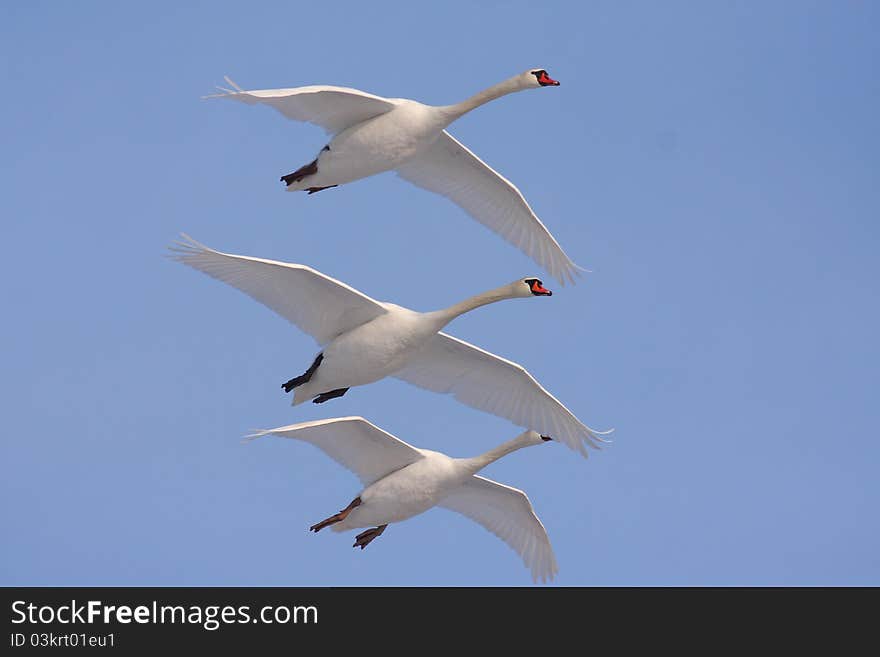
pixel 531 287
pixel 538 77
pixel 534 438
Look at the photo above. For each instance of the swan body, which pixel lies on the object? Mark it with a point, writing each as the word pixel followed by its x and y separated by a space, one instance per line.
pixel 371 351
pixel 376 145
pixel 364 340
pixel 407 492
pixel 401 481
pixel 372 134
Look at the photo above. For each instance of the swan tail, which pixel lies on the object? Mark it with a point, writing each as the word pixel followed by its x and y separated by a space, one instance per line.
pixel 300 396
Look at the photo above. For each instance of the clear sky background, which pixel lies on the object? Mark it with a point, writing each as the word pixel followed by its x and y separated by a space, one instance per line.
pixel 714 164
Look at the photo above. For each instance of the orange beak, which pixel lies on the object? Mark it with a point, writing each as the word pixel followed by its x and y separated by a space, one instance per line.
pixel 540 289
pixel 546 81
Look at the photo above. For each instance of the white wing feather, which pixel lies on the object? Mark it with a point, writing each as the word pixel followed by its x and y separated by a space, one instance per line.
pixel 319 305
pixel 355 444
pixel 493 384
pixel 332 108
pixel 507 513
pixel 448 168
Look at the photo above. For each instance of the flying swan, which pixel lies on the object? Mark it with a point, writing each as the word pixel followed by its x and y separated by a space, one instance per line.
pixel 372 134
pixel 401 481
pixel 364 340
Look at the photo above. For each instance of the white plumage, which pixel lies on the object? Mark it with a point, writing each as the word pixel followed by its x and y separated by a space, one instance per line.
pixel 365 340
pixel 374 134
pixel 401 481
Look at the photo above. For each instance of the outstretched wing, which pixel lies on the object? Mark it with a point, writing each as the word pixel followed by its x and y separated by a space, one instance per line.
pixel 332 108
pixel 319 305
pixel 355 444
pixel 507 513
pixel 493 384
pixel 448 168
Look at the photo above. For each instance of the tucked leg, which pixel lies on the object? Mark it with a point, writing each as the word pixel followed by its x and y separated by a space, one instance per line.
pixel 303 378
pixel 309 169
pixel 327 396
pixel 313 190
pixel 336 517
pixel 363 539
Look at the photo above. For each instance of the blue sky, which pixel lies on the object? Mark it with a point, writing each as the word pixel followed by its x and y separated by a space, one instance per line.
pixel 714 164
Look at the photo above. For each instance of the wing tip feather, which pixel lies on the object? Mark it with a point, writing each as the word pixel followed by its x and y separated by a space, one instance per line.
pixel 236 92
pixel 257 433
pixel 185 248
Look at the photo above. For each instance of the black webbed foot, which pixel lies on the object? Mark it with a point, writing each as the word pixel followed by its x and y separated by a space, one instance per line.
pixel 303 378
pixel 327 396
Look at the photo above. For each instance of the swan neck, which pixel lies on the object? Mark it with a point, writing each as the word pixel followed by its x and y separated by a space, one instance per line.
pixel 477 463
pixel 484 299
pixel 495 91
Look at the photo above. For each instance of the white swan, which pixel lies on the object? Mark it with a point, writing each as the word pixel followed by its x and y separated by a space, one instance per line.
pixel 401 481
pixel 365 340
pixel 374 134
